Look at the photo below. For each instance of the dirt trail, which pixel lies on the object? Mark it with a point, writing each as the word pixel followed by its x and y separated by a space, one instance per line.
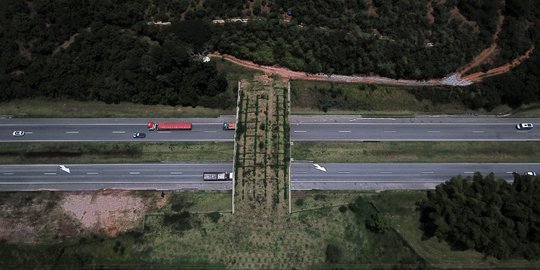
pixel 478 76
pixel 486 53
pixel 287 73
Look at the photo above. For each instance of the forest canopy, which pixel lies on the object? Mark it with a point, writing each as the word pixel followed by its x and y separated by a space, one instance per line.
pixel 114 51
pixel 486 214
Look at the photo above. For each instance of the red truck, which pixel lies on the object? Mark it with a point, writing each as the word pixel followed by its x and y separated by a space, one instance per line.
pixel 169 126
pixel 229 126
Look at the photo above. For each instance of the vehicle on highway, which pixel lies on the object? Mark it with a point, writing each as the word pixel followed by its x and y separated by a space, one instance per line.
pixel 524 126
pixel 530 173
pixel 169 126
pixel 18 133
pixel 218 176
pixel 139 135
pixel 229 126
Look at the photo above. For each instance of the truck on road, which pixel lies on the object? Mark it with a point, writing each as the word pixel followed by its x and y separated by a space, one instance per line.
pixel 229 126
pixel 218 176
pixel 169 126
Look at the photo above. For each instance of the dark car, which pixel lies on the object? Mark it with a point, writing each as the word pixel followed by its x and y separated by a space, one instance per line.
pixel 139 135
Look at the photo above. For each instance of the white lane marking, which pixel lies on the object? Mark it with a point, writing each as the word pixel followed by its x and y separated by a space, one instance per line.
pixel 28 132
pixel 478 131
pixel 49 173
pixel 72 132
pixel 434 131
pixel 92 173
pixel 134 173
pixel 427 172
pixel 344 131
pixel 388 131
pixel 300 131
pixel 8 173
pixel 344 172
pixel 522 131
pixel 162 132
pixel 509 172
pixel 210 131
pixel 469 172
pixel 385 172
pixel 301 172
pixel 176 172
pixel 118 132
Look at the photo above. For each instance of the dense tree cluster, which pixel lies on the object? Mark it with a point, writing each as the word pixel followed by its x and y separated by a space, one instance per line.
pixel 99 51
pixel 342 37
pixel 486 214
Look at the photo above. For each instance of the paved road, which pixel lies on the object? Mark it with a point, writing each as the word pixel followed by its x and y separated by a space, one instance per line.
pixel 161 176
pixel 339 176
pixel 425 128
pixel 303 128
pixel 114 129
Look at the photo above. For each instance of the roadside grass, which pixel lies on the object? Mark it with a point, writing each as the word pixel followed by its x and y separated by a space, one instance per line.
pixel 307 97
pixel 299 241
pixel 42 107
pixel 113 152
pixel 529 110
pixel 234 72
pixel 417 151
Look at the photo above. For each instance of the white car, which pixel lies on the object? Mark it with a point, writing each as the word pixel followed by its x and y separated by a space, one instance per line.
pixel 524 126
pixel 530 173
pixel 18 133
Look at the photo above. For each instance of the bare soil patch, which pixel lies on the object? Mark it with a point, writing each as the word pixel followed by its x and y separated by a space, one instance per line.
pixel 49 217
pixel 112 212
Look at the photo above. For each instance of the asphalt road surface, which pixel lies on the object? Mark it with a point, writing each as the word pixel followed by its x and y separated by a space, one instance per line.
pixel 162 176
pixel 425 128
pixel 381 176
pixel 114 129
pixel 303 128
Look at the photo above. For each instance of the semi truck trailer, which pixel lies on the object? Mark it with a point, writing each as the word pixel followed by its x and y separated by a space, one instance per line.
pixel 169 126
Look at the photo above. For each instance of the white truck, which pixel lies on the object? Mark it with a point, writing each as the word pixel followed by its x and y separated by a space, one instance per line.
pixel 218 176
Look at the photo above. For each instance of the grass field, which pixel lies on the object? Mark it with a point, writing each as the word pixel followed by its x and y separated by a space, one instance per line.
pixel 113 152
pixel 417 151
pixel 41 107
pixel 208 240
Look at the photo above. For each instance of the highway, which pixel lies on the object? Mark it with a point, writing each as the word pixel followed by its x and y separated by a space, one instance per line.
pixel 174 176
pixel 303 128
pixel 157 176
pixel 423 128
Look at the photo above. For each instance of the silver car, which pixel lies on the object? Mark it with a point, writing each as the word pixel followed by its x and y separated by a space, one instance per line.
pixel 524 126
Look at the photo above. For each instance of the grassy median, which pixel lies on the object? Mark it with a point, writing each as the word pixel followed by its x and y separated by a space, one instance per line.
pixel 417 151
pixel 113 152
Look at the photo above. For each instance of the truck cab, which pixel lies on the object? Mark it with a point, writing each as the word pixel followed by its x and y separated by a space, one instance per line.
pixel 229 126
pixel 151 126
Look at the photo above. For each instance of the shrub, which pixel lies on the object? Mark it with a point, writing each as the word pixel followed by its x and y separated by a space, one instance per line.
pixel 343 209
pixel 333 253
pixel 299 202
pixel 214 216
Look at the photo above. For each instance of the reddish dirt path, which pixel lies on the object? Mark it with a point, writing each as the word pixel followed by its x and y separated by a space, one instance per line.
pixel 478 76
pixel 287 73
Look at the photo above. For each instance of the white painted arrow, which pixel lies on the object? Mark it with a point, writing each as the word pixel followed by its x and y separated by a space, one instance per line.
pixel 63 168
pixel 319 167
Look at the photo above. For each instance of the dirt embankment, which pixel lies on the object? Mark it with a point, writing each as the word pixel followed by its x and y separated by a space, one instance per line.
pixel 33 217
